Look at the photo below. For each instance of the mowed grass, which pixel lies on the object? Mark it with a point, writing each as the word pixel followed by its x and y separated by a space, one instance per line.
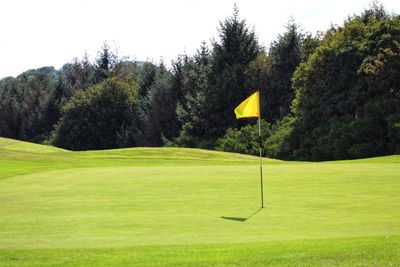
pixel 190 207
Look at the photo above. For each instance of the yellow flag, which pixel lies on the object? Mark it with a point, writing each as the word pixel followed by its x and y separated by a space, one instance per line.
pixel 249 108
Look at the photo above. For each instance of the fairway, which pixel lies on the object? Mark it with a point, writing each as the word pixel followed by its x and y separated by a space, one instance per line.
pixel 190 207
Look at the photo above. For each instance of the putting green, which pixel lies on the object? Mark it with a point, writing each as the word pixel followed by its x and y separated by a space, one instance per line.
pixel 146 204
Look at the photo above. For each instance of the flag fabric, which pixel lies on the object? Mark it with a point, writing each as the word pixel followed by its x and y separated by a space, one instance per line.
pixel 249 108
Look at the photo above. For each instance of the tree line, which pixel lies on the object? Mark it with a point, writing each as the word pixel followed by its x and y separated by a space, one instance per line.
pixel 332 95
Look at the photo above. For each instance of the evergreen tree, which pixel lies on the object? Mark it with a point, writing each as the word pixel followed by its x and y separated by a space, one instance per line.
pixel 285 55
pixel 105 63
pixel 23 104
pixel 9 108
pixel 236 49
pixel 146 77
pixel 191 76
pixel 160 123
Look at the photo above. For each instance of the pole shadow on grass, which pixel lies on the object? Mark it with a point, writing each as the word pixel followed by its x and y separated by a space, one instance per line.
pixel 241 219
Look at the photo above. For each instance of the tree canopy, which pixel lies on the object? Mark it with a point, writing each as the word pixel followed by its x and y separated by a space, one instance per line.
pixel 97 118
pixel 332 95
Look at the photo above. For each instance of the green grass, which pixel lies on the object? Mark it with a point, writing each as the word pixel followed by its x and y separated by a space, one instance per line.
pixel 190 207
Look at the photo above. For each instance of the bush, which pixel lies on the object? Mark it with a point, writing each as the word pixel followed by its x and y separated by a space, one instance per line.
pixel 279 143
pixel 186 138
pixel 394 133
pixel 244 140
pixel 98 118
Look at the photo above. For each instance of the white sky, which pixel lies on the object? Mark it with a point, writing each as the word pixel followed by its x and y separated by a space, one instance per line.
pixel 52 32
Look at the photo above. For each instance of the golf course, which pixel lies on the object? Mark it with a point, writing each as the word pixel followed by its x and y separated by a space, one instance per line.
pixel 191 207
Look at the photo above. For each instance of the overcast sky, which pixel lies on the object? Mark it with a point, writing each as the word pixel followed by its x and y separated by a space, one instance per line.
pixel 52 32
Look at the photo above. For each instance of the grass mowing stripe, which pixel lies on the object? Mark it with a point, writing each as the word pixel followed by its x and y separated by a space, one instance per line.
pixel 370 251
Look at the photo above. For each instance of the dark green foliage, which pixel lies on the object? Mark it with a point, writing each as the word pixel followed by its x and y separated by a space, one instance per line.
pixel 285 55
pixel 275 139
pixel 393 122
pixel 347 93
pixel 9 106
pixel 74 77
pixel 127 71
pixel 246 139
pixel 31 104
pixel 105 63
pixel 213 83
pixel 257 76
pixel 186 138
pixel 146 77
pixel 280 141
pixel 236 49
pixel 23 102
pixel 98 117
pixel 160 123
pixel 191 76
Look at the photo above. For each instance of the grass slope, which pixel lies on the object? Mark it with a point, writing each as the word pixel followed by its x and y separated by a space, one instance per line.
pixel 183 207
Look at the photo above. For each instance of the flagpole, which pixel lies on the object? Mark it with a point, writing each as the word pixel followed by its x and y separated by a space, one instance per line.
pixel 250 108
pixel 260 143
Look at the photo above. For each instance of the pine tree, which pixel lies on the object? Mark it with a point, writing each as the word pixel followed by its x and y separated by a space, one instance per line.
pixel 237 47
pixel 105 63
pixel 285 55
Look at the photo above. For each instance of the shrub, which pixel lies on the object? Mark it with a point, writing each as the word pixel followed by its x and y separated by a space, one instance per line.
pixel 97 118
